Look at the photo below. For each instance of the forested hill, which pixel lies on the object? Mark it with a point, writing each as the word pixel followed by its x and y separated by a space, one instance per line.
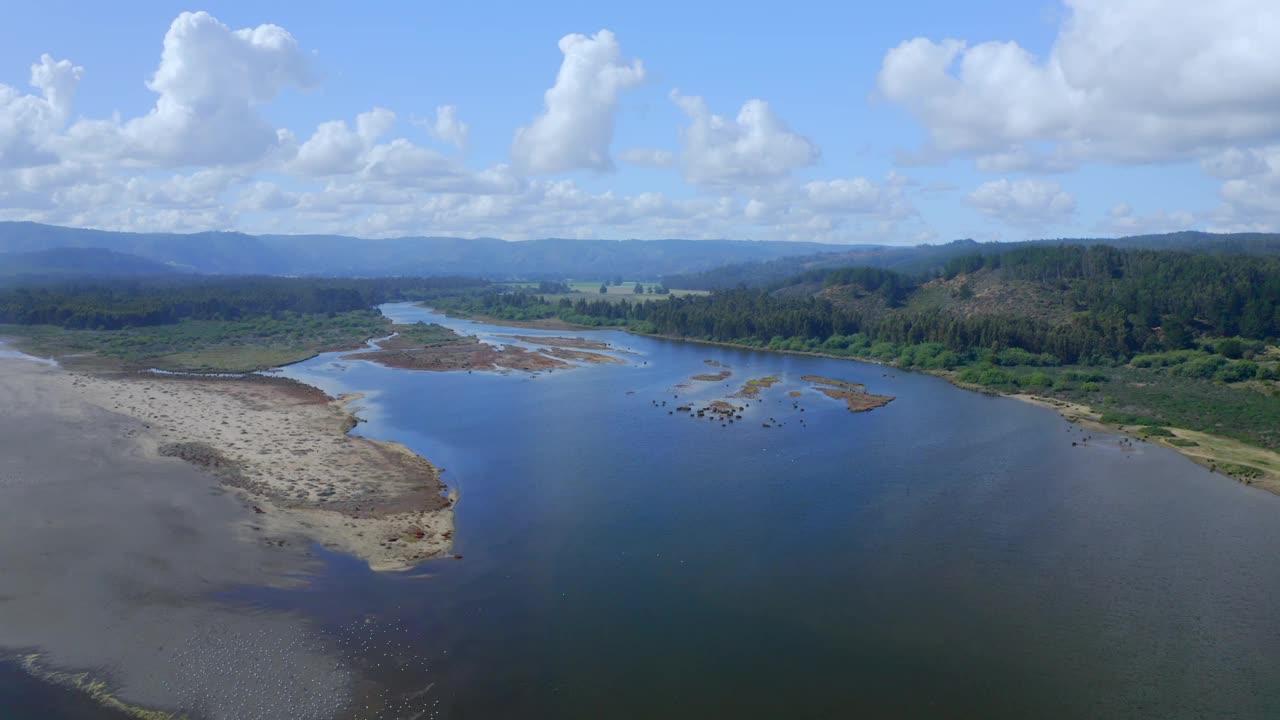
pixel 334 255
pixel 923 259
pixel 1071 304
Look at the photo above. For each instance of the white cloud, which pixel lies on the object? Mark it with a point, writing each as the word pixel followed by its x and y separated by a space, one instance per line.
pixel 1122 220
pixel 265 196
pixel 1028 202
pixel 575 129
pixel 753 148
pixel 336 148
pixel 648 157
pixel 206 157
pixel 1125 81
pixel 448 128
pixel 211 82
pixel 28 122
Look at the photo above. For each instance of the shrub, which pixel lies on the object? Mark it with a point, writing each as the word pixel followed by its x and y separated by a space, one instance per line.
pixel 1238 371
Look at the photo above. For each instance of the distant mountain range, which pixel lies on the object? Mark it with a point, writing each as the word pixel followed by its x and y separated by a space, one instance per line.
pixel 32 249
pixel 335 255
pixel 64 262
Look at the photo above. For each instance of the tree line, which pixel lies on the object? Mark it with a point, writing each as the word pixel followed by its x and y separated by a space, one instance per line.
pixel 1121 303
pixel 118 304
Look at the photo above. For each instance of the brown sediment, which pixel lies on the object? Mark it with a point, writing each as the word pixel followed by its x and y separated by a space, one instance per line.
pixel 458 353
pixel 857 401
pixel 795 393
pixel 715 363
pixel 855 395
pixel 284 448
pixel 720 407
pixel 752 387
pixel 708 377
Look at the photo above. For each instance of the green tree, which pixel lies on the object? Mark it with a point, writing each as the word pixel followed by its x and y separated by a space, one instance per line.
pixel 604 289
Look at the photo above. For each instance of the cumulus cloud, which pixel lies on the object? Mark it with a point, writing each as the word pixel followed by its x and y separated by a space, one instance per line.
pixel 448 128
pixel 648 157
pixel 1250 191
pixel 1028 202
pixel 1125 81
pixel 755 147
pixel 211 83
pixel 206 157
pixel 575 129
pixel 1121 219
pixel 337 148
pixel 265 196
pixel 29 122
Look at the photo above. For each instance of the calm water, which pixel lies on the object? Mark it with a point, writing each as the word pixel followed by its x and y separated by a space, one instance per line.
pixel 949 555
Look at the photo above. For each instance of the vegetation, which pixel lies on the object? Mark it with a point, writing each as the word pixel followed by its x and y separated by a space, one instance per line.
pixel 191 323
pixel 115 305
pixel 207 345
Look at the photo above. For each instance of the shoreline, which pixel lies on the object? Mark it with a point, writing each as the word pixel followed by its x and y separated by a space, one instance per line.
pixel 1214 452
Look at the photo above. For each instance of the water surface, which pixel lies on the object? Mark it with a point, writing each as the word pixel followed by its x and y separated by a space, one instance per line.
pixel 951 554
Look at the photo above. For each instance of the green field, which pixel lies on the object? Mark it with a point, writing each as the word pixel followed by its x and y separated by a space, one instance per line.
pixel 625 291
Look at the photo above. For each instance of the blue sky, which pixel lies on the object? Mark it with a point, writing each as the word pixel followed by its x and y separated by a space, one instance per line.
pixel 839 122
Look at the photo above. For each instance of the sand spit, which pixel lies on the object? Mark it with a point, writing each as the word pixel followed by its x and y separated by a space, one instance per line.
pixel 820 380
pixel 563 342
pixel 284 448
pixel 582 356
pixel 713 377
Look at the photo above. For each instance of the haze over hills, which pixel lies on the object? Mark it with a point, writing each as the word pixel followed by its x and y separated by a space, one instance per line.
pixel 336 255
pixel 28 248
pixel 57 262
pixel 922 259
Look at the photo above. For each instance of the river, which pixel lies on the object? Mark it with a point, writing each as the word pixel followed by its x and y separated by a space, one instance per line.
pixel 949 555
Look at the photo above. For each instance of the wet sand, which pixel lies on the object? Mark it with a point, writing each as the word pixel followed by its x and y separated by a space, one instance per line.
pixel 111 556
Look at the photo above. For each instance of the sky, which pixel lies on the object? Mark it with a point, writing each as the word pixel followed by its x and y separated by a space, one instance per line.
pixel 889 123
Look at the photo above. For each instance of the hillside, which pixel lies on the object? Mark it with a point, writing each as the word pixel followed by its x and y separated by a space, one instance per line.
pixel 334 255
pixel 69 262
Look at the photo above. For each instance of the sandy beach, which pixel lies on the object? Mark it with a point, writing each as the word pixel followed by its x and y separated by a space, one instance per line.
pixel 284 449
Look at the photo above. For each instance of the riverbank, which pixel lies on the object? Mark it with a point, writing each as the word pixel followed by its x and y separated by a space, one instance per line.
pixel 285 449
pixel 1231 458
